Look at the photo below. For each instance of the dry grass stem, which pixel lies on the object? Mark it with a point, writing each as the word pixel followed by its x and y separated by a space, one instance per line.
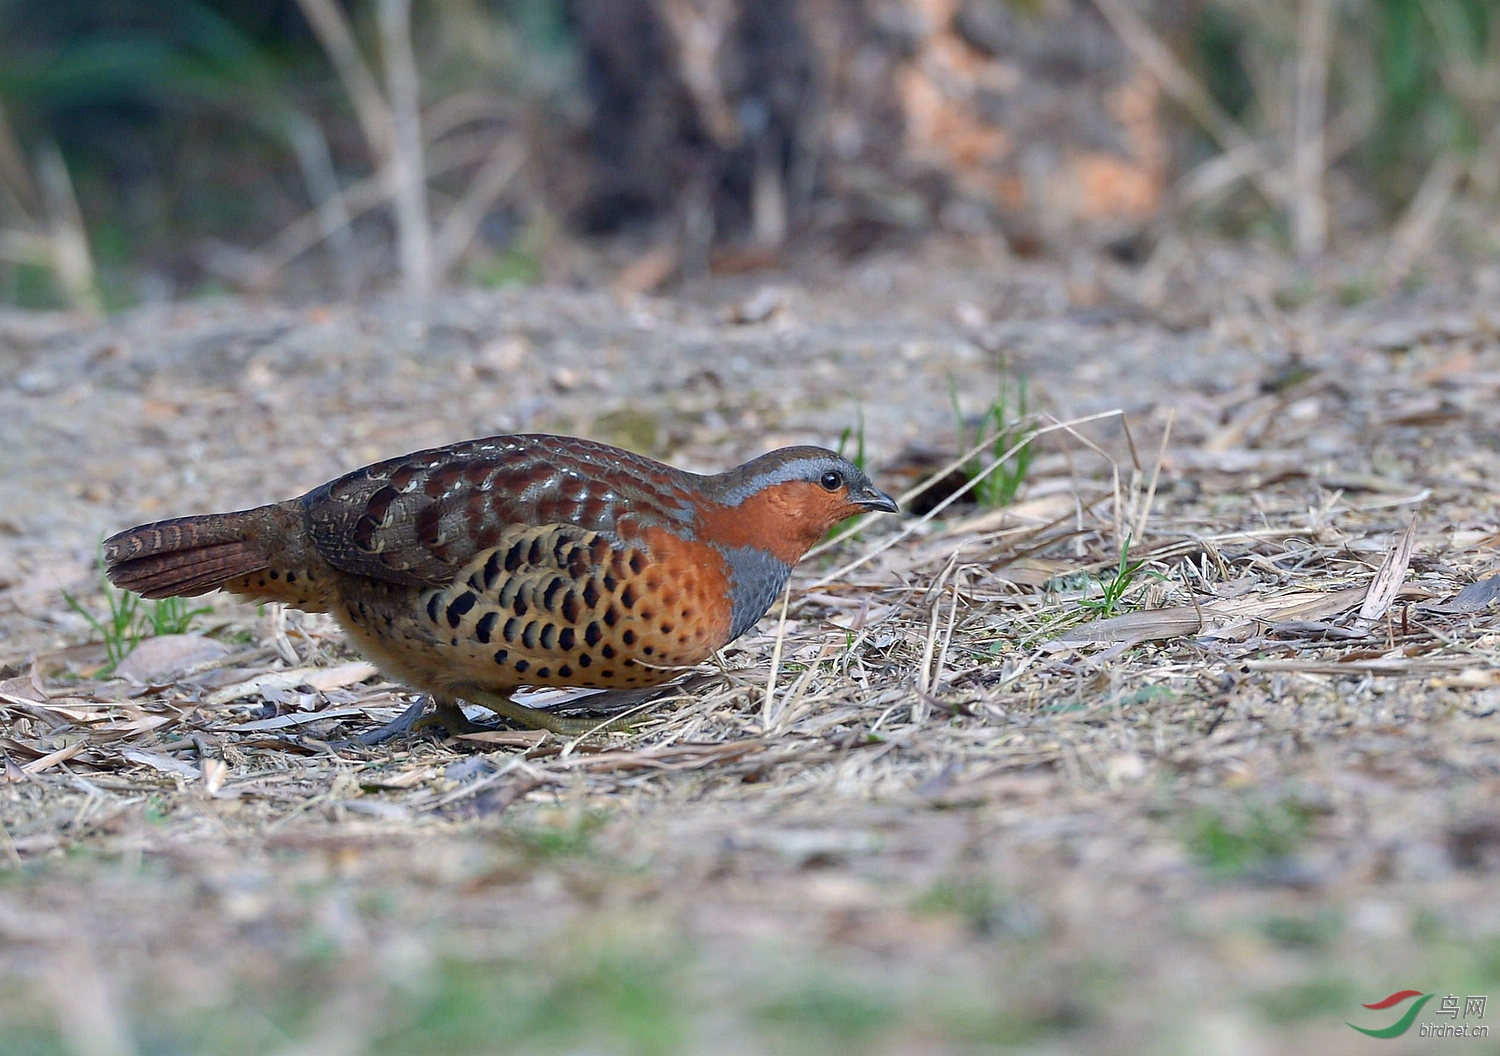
pixel 768 699
pixel 1309 207
pixel 359 198
pixel 1138 527
pixel 406 166
pixel 334 33
pixel 488 184
pixel 1414 231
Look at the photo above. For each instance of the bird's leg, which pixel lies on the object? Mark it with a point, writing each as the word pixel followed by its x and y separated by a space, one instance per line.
pixel 537 719
pixel 449 715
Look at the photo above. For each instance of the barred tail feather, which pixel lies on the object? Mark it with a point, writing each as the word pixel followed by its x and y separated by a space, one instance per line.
pixel 184 556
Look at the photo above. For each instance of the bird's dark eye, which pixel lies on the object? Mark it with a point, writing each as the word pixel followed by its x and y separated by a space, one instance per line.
pixel 832 480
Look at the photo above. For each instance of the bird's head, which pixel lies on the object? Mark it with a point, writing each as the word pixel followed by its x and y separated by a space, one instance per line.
pixel 785 501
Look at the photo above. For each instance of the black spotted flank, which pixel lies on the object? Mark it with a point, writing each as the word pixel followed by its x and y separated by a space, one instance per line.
pixel 434 605
pixel 566 638
pixel 570 608
pixel 549 636
pixel 627 596
pixel 502 655
pixel 555 586
pixel 544 672
pixel 584 659
pixel 492 569
pixel 591 593
pixel 637 562
pixel 592 633
pixel 528 634
pixel 521 666
pixel 459 606
pixel 486 627
pixel 511 629
pixel 515 557
pixel 564 671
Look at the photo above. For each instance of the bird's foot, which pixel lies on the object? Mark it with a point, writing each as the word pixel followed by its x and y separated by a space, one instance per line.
pixel 450 716
pixel 446 714
pixel 626 704
pixel 402 723
pixel 537 719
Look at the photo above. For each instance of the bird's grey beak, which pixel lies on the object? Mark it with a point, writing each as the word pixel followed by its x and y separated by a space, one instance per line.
pixel 875 501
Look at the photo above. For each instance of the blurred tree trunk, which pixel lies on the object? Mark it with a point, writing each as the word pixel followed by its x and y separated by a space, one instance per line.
pixel 744 122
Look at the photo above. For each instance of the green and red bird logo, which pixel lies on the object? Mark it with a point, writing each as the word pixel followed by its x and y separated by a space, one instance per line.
pixel 1402 1025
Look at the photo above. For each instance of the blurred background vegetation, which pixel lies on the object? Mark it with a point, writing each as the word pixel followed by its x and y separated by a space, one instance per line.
pixel 161 149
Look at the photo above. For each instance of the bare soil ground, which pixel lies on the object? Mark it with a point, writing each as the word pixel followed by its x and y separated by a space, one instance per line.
pixel 961 798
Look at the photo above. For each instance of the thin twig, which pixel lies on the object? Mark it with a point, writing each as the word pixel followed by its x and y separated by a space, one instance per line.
pixel 15 173
pixel 1414 231
pixel 488 184
pixel 767 711
pixel 309 230
pixel 406 168
pixel 331 211
pixel 1309 209
pixel 71 259
pixel 1138 529
pixel 929 640
pixel 942 658
pixel 370 107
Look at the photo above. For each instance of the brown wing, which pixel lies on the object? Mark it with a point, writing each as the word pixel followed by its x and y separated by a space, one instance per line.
pixel 420 518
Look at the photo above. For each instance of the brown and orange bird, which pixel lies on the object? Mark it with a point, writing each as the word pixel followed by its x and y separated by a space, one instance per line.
pixel 472 570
